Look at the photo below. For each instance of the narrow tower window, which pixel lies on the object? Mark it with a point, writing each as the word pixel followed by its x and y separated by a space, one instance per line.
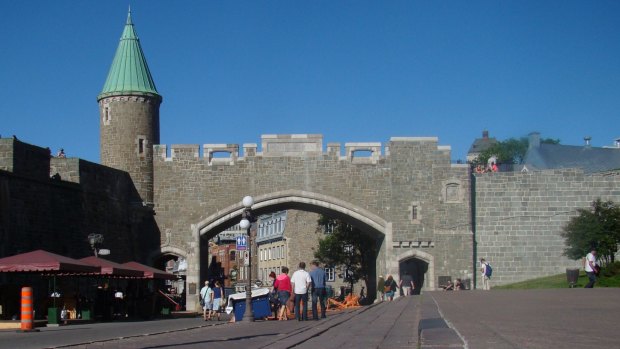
pixel 141 146
pixel 414 212
pixel 106 115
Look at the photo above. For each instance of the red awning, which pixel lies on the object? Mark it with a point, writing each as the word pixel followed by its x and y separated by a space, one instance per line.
pixel 45 262
pixel 109 268
pixel 150 272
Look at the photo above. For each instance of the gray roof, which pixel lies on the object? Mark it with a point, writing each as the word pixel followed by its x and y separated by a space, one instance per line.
pixel 555 156
pixel 481 144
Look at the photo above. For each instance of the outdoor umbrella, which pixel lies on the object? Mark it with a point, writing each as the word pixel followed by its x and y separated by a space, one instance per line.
pixel 150 272
pixel 44 262
pixel 112 269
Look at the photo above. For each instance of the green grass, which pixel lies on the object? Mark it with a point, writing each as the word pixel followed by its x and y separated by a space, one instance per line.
pixel 610 277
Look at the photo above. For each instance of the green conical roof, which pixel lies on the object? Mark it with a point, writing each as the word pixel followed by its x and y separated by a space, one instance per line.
pixel 129 74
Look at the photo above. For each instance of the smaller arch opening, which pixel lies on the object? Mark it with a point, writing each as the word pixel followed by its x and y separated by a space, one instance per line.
pixel 414 269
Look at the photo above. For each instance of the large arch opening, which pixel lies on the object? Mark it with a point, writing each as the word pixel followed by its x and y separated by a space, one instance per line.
pixel 367 222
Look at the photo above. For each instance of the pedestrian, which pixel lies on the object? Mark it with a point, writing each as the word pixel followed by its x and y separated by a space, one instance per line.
pixel 485 270
pixel 319 291
pixel 380 285
pixel 300 282
pixel 206 295
pixel 459 285
pixel 389 288
pixel 283 285
pixel 218 294
pixel 591 268
pixel 406 284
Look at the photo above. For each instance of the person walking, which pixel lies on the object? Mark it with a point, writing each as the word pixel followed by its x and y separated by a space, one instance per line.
pixel 218 293
pixel 283 285
pixel 389 288
pixel 380 285
pixel 486 277
pixel 300 282
pixel 206 295
pixel 591 268
pixel 318 290
pixel 406 284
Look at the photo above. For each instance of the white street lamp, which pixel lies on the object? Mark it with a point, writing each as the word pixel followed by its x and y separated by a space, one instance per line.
pixel 246 223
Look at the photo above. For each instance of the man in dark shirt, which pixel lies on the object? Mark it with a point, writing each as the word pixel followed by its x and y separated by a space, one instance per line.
pixel 318 290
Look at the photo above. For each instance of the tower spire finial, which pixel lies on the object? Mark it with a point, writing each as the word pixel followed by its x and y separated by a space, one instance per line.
pixel 129 15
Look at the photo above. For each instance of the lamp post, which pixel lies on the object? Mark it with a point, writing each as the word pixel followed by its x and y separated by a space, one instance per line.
pixel 95 239
pixel 246 223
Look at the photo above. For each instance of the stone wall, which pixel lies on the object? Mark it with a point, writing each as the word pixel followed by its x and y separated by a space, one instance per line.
pixel 519 218
pixel 37 212
pixel 24 159
pixel 193 191
pixel 129 126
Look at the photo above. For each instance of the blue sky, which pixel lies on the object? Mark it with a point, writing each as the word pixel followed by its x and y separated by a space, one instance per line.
pixel 354 71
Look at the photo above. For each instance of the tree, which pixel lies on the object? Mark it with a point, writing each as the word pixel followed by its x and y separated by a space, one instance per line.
pixel 598 227
pixel 347 247
pixel 510 151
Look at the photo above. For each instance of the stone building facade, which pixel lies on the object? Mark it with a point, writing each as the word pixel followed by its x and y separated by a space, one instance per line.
pixel 377 193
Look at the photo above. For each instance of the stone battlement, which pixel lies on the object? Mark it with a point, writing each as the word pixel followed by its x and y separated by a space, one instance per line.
pixel 292 145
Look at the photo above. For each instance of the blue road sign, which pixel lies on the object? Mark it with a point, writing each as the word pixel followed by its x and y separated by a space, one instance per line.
pixel 241 243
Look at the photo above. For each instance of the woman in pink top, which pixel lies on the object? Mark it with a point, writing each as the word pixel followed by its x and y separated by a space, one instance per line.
pixel 283 285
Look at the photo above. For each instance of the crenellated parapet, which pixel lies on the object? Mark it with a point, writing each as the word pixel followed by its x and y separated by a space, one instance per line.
pixel 296 145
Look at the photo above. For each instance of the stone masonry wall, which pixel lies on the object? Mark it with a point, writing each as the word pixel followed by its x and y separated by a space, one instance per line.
pixel 190 188
pixel 37 212
pixel 129 128
pixel 519 218
pixel 24 159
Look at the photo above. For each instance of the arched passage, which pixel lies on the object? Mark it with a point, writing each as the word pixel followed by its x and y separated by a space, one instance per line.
pixel 298 200
pixel 365 220
pixel 420 265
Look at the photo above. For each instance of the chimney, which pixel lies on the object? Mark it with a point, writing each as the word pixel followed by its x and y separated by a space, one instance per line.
pixel 534 140
pixel 485 134
pixel 587 139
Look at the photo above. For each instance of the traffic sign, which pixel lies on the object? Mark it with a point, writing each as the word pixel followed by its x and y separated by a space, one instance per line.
pixel 242 243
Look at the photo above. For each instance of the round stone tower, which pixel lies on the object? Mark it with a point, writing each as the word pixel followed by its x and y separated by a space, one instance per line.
pixel 129 114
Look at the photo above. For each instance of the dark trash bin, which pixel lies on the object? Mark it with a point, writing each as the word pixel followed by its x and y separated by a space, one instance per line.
pixel 572 274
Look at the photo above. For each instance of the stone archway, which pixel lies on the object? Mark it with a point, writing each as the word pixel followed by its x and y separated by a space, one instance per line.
pixel 421 265
pixel 289 199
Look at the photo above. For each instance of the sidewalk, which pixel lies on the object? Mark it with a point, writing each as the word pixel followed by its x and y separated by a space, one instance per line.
pixel 382 325
pixel 545 319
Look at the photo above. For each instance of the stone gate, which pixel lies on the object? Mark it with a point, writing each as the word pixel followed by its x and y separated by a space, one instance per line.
pixel 406 194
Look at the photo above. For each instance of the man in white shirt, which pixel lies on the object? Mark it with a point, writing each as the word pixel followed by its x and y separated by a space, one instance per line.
pixel 206 297
pixel 300 282
pixel 590 266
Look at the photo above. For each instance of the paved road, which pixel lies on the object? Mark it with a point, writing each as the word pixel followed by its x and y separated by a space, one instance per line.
pixel 366 327
pixel 549 319
pixel 558 318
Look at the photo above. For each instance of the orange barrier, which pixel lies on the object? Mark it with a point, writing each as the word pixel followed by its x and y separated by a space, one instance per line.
pixel 27 318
